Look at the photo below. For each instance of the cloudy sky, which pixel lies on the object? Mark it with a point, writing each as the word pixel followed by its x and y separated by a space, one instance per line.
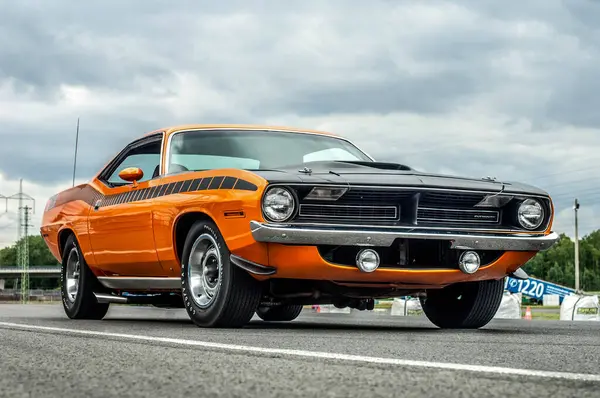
pixel 477 88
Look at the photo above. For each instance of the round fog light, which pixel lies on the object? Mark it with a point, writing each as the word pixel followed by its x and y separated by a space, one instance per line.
pixel 469 262
pixel 367 260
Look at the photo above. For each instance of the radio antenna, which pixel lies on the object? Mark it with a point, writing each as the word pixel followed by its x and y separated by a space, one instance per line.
pixel 76 145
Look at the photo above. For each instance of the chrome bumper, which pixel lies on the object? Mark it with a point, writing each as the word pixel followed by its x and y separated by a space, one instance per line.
pixel 312 235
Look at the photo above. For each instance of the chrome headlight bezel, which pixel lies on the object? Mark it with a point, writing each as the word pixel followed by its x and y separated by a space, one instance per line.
pixel 284 194
pixel 521 208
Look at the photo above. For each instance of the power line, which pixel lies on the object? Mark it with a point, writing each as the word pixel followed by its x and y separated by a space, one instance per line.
pixel 590 180
pixel 20 196
pixel 565 172
pixel 572 193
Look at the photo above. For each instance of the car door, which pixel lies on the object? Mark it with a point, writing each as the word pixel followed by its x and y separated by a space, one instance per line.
pixel 121 222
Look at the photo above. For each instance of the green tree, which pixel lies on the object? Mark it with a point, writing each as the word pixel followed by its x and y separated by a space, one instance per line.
pixel 557 264
pixel 39 254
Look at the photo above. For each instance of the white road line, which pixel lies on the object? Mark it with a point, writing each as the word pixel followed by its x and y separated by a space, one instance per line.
pixel 316 354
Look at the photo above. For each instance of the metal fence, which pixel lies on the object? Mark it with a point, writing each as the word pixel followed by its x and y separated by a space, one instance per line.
pixel 34 295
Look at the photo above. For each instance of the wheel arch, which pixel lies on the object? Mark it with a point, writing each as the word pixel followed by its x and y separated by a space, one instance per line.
pixel 182 225
pixel 63 235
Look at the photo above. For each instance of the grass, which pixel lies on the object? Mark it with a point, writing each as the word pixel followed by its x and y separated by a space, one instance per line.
pixel 546 316
pixel 547 307
pixel 385 305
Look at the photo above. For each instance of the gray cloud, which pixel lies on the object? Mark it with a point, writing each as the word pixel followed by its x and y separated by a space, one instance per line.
pixel 500 89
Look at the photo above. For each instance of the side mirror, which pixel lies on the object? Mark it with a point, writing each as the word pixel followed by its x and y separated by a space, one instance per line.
pixel 132 174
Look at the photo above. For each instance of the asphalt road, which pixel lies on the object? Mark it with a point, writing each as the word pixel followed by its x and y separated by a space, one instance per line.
pixel 145 351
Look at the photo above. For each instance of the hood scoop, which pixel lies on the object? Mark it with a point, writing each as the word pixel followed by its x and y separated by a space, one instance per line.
pixel 381 165
pixel 350 165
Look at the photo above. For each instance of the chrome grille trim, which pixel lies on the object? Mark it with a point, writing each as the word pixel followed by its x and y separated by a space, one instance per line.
pixel 368 217
pixel 493 221
pixel 409 200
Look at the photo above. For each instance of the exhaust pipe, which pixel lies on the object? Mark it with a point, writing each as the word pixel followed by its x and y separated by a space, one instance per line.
pixel 109 298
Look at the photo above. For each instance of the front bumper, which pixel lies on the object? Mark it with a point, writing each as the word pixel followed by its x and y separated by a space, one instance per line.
pixel 342 236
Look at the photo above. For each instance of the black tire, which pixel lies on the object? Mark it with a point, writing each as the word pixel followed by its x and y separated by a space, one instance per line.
pixel 469 305
pixel 84 304
pixel 282 313
pixel 238 294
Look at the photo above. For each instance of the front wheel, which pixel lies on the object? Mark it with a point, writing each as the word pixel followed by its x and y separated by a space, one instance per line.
pixel 215 292
pixel 469 305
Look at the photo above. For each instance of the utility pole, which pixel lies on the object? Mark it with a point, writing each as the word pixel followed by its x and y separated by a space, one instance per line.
pixel 576 209
pixel 24 255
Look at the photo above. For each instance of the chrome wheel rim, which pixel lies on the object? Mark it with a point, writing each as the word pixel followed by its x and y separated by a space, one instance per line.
pixel 72 275
pixel 204 270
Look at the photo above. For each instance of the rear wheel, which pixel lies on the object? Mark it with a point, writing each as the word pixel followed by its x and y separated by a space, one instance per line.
pixel 78 284
pixel 468 305
pixel 279 313
pixel 215 292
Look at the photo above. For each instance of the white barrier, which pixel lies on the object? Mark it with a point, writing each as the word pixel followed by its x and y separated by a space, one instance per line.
pixel 580 308
pixel 332 309
pixel 402 307
pixel 551 300
pixel 510 307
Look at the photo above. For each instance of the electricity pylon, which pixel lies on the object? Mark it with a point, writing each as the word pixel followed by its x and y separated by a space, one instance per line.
pixel 23 225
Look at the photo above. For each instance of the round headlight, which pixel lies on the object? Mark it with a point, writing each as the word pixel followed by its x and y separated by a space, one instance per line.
pixel 278 204
pixel 530 214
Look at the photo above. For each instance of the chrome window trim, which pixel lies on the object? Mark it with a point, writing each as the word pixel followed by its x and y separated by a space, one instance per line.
pixel 169 139
pixel 127 148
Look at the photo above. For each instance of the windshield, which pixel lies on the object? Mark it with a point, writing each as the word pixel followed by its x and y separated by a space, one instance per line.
pixel 255 150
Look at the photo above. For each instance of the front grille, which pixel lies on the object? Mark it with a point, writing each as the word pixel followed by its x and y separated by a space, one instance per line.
pixel 429 215
pixel 408 207
pixel 379 196
pixel 450 200
pixel 349 212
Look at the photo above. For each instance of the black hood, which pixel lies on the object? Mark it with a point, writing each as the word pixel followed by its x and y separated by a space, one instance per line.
pixel 385 174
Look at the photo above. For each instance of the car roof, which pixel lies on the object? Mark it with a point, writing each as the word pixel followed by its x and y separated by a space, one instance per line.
pixel 249 127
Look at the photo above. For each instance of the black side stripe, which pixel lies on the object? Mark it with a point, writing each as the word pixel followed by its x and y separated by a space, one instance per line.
pixel 172 188
pixel 228 183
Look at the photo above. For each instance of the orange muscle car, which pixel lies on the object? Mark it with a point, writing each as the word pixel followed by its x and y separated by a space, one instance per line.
pixel 232 221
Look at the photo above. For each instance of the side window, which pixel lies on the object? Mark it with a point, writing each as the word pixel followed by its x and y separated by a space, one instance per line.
pixel 146 157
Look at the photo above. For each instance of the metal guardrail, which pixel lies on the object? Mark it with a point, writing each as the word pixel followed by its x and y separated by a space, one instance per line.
pixel 35 295
pixel 34 271
pixel 32 292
